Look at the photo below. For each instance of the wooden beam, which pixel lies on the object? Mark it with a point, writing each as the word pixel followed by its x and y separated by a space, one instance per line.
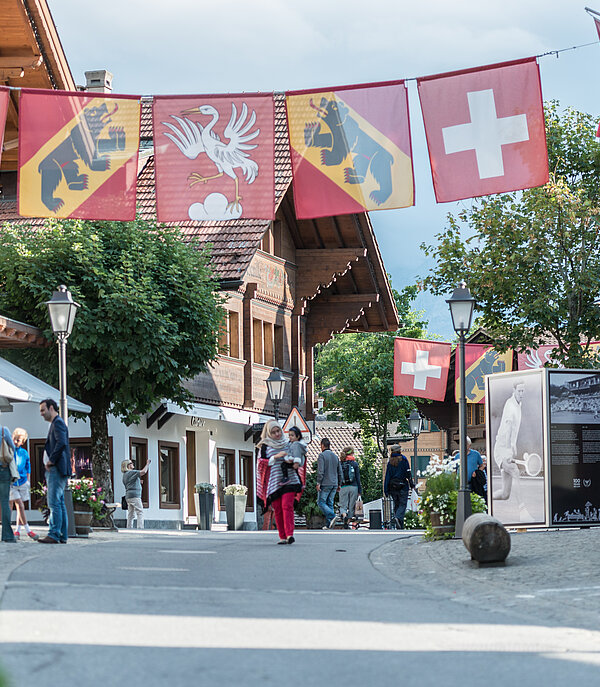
pixel 349 298
pixel 319 268
pixel 155 415
pixel 163 419
pixel 248 343
pixel 21 62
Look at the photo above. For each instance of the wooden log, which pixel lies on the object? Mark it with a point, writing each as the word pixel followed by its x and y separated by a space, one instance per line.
pixel 486 538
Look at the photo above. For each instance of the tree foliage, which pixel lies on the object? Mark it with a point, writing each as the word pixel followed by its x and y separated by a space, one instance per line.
pixel 148 318
pixel 355 374
pixel 532 258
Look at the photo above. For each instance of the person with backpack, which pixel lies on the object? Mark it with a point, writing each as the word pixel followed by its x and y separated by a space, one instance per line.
pixel 397 482
pixel 351 487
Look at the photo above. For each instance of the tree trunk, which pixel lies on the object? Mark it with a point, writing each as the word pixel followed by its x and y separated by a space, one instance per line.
pixel 100 450
pixel 101 457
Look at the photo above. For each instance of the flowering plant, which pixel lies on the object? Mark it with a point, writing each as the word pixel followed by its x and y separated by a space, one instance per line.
pixel 204 488
pixel 236 490
pixel 85 490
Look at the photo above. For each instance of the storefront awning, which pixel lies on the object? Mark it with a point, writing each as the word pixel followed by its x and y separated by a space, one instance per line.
pixel 18 385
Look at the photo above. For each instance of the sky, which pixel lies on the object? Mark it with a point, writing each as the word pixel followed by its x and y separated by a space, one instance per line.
pixel 231 46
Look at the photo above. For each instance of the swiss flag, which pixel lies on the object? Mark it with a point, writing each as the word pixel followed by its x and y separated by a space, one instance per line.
pixel 421 368
pixel 485 130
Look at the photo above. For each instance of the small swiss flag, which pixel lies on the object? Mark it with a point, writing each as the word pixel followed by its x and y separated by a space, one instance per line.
pixel 485 130
pixel 421 368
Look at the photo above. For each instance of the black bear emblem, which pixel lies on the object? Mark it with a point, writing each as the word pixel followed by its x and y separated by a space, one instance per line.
pixel 345 137
pixel 83 145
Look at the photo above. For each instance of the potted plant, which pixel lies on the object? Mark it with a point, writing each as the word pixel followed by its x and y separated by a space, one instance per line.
pixel 438 503
pixel 235 505
pixel 88 503
pixel 204 500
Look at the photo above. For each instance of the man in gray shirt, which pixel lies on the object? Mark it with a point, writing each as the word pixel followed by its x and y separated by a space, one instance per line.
pixel 329 479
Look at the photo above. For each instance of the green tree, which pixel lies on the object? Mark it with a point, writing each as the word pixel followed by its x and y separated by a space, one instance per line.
pixel 355 374
pixel 148 320
pixel 371 471
pixel 532 258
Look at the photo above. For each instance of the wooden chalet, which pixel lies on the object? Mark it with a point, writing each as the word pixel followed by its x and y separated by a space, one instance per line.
pixel 289 284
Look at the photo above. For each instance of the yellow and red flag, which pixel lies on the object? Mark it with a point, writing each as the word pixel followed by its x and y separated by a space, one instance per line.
pixel 351 149
pixel 214 157
pixel 78 155
pixel 480 360
pixel 4 96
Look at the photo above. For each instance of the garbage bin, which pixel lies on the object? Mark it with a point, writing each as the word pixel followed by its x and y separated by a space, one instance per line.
pixel 71 531
pixel 375 520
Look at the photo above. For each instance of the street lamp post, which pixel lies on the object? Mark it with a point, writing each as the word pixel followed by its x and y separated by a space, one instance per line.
pixel 414 423
pixel 276 386
pixel 62 310
pixel 461 305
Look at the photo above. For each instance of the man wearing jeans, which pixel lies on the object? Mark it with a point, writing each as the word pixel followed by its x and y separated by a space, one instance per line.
pixel 57 460
pixel 329 479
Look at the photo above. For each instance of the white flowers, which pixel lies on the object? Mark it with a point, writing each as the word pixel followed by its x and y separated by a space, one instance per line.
pixel 236 490
pixel 438 465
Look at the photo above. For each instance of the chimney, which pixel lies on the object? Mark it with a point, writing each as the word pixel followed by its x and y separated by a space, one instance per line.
pixel 98 81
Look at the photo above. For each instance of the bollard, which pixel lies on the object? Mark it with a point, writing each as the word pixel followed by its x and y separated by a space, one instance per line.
pixel 71 531
pixel 486 539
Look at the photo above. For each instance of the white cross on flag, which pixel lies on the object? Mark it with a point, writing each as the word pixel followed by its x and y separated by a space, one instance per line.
pixel 421 368
pixel 485 130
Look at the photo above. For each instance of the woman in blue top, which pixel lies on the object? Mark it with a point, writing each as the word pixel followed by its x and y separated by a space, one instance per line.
pixel 20 490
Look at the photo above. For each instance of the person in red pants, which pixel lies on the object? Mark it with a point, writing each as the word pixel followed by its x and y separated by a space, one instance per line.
pixel 280 496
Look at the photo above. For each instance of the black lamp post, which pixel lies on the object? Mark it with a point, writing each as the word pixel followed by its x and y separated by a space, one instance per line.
pixel 414 423
pixel 276 387
pixel 62 310
pixel 461 305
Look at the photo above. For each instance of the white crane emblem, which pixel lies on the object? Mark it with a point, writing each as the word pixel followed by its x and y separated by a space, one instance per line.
pixel 194 139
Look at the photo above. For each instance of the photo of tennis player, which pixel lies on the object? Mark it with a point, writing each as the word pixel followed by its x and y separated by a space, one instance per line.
pixel 516 467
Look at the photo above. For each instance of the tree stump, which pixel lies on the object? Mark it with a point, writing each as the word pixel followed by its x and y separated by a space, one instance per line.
pixel 486 539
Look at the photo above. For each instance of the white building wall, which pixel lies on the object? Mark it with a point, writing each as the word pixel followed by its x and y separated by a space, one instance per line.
pixel 212 435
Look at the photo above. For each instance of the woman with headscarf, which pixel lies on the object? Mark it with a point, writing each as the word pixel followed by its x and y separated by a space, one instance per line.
pixel 274 448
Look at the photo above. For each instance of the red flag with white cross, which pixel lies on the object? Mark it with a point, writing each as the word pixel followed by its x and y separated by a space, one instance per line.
pixel 485 130
pixel 421 368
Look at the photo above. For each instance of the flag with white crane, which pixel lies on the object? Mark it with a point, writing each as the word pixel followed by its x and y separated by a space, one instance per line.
pixel 214 157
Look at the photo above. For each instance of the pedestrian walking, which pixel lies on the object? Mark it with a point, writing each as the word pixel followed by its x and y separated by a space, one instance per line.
pixel 57 461
pixel 133 492
pixel 329 480
pixel 275 447
pixel 20 491
pixel 8 475
pixel 351 487
pixel 397 482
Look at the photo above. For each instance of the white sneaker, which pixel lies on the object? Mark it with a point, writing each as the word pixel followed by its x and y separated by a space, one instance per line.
pixel 333 521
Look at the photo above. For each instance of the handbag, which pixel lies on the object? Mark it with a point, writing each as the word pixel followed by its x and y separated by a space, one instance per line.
pixel 124 504
pixel 359 510
pixel 7 458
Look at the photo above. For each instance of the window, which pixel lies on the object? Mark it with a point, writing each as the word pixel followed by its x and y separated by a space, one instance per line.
pixel 138 455
pixel 247 477
pixel 268 357
pixel 257 332
pixel 226 464
pixel 81 459
pixel 279 345
pixel 475 414
pixel 168 473
pixel 234 334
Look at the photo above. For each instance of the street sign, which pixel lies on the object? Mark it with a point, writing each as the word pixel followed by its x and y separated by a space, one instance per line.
pixel 295 419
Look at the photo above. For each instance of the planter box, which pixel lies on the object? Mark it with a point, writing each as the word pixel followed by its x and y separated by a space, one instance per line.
pixel 439 529
pixel 235 508
pixel 83 520
pixel 315 522
pixel 204 509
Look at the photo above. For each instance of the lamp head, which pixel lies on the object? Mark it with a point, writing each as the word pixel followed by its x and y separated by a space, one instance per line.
pixel 461 305
pixel 62 309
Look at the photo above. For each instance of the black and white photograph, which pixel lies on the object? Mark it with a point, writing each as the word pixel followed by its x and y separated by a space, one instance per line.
pixel 574 397
pixel 515 429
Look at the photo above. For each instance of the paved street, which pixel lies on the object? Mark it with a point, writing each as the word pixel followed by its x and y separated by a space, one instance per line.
pixel 336 608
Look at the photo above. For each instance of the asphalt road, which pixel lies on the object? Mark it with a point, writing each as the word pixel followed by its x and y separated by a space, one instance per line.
pixel 335 608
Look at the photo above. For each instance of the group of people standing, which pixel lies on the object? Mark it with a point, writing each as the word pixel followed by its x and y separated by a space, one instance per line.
pixel 15 478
